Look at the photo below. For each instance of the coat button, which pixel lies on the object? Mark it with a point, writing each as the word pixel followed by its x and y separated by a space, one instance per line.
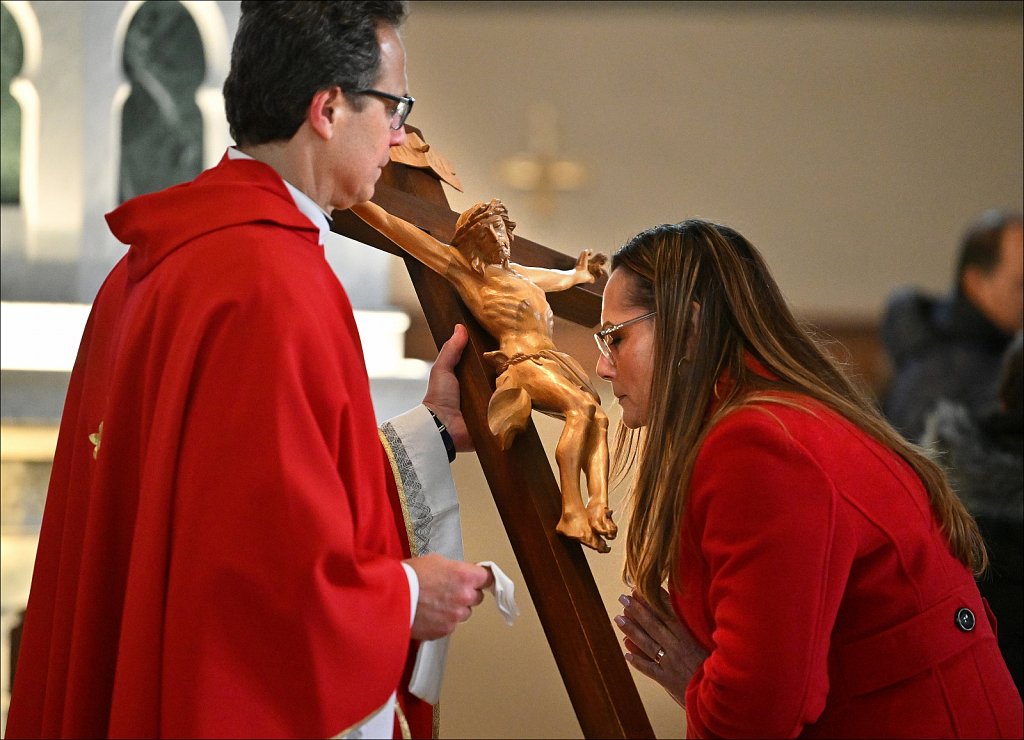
pixel 965 619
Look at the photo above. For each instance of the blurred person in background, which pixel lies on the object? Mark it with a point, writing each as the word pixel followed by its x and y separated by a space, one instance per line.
pixel 984 456
pixel 951 347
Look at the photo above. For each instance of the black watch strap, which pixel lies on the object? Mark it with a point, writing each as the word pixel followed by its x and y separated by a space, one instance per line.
pixel 446 436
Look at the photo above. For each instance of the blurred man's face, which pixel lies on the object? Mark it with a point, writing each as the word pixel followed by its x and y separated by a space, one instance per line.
pixel 1000 294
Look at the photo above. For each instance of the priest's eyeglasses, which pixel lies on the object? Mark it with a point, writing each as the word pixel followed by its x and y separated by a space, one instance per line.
pixel 606 338
pixel 403 105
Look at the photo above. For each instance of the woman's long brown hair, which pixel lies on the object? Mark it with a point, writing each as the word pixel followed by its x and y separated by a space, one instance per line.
pixel 741 310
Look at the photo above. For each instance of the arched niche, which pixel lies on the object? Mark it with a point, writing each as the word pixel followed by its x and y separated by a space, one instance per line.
pixel 11 59
pixel 22 49
pixel 170 103
pixel 161 140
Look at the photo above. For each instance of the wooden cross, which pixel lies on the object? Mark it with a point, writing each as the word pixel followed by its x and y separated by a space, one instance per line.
pixel 525 492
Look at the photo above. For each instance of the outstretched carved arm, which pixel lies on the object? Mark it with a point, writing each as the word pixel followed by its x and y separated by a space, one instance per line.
pixel 434 254
pixel 589 267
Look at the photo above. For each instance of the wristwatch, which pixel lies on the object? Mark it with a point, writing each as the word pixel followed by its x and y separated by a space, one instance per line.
pixel 446 436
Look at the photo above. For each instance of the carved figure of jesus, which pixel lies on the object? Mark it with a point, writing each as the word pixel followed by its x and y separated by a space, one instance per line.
pixel 509 302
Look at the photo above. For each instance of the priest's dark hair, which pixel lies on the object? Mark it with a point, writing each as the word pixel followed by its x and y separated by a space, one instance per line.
pixel 286 52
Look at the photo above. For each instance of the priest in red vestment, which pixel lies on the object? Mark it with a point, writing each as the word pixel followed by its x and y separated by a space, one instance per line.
pixel 224 551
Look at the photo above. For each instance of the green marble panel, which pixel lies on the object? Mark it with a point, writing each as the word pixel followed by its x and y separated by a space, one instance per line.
pixel 162 128
pixel 12 56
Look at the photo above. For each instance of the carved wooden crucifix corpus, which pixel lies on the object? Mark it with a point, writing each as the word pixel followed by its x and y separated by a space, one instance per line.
pixel 525 492
pixel 509 300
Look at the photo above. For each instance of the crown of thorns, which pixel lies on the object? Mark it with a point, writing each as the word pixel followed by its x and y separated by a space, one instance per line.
pixel 478 213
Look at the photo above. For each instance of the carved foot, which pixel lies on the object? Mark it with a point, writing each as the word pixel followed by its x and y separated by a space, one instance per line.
pixel 577 527
pixel 601 521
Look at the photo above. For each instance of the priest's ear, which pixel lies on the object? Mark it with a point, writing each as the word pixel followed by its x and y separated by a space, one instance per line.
pixel 326 110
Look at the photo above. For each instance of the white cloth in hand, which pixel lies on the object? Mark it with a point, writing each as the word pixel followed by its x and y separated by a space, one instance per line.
pixel 504 591
pixel 430 660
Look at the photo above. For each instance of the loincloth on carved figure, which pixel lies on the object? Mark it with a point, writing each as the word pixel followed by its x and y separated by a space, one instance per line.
pixel 509 408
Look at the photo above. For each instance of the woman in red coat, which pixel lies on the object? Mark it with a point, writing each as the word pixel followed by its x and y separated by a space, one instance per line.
pixel 819 568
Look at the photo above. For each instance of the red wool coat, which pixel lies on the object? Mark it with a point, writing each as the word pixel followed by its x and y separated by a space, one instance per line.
pixel 813 570
pixel 220 550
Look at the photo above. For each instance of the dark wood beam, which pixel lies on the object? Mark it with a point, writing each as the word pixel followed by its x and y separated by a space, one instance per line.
pixel 526 494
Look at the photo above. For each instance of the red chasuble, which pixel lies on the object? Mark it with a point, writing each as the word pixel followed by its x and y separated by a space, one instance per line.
pixel 220 550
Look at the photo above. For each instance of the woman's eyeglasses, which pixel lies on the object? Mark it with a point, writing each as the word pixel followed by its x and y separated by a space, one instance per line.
pixel 605 336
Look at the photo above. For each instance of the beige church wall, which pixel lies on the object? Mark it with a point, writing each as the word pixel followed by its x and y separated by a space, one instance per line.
pixel 851 143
